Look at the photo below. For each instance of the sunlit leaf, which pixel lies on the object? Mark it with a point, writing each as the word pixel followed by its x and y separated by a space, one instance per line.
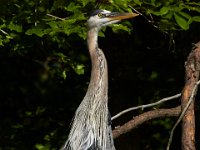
pixel 64 74
pixel 79 69
pixel 164 10
pixel 101 34
pixel 187 16
pixel 181 22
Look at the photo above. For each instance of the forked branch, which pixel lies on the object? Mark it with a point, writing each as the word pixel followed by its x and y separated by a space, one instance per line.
pixel 146 105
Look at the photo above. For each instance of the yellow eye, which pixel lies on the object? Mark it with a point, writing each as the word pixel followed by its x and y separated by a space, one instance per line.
pixel 100 15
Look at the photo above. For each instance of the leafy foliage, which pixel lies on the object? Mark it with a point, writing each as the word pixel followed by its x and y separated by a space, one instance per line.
pixel 43 56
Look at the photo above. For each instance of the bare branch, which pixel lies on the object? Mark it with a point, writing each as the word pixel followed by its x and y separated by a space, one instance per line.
pixel 138 12
pixel 146 106
pixel 4 32
pixel 150 21
pixel 182 114
pixel 56 17
pixel 138 120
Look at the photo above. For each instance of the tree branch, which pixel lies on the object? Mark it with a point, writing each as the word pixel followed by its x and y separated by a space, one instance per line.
pixel 138 120
pixel 192 70
pixel 146 106
pixel 4 32
pixel 55 17
pixel 182 114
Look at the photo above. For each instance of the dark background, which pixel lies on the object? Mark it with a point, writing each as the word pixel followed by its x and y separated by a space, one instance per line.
pixel 37 103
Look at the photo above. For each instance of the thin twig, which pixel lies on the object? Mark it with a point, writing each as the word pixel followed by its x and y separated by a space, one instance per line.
pixel 151 22
pixel 145 106
pixel 4 32
pixel 56 17
pixel 137 11
pixel 182 114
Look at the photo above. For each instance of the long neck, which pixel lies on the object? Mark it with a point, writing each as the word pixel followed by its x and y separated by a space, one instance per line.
pixel 92 39
pixel 99 74
pixel 90 128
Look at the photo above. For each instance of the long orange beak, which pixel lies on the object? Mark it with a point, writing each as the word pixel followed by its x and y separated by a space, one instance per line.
pixel 121 16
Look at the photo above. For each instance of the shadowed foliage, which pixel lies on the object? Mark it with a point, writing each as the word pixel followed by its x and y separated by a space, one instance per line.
pixel 45 67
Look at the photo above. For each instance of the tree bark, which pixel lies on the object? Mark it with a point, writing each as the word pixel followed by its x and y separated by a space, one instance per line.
pixel 192 68
pixel 138 120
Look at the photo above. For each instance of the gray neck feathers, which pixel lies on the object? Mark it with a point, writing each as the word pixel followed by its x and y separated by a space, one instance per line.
pixel 90 129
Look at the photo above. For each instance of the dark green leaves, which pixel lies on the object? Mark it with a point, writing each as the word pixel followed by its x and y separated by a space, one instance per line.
pixel 37 31
pixel 164 10
pixel 15 27
pixel 174 12
pixel 44 55
pixel 196 18
pixel 182 22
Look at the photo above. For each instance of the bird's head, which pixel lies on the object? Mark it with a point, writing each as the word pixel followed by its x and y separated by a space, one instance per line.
pixel 100 18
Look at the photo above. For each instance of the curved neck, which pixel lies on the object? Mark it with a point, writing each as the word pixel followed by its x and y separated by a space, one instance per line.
pixel 92 38
pixel 90 127
pixel 99 74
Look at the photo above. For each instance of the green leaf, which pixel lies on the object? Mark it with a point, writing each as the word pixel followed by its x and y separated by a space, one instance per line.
pixel 138 2
pixel 121 3
pixel 1 41
pixel 79 69
pixel 64 74
pixel 72 7
pixel 37 31
pixel 101 34
pixel 42 147
pixel 193 8
pixel 181 22
pixel 164 10
pixel 186 15
pixel 117 27
pixel 84 2
pixel 153 75
pixel 53 24
pixel 15 27
pixel 196 18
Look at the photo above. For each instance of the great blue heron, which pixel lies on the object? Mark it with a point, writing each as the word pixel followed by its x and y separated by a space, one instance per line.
pixel 91 128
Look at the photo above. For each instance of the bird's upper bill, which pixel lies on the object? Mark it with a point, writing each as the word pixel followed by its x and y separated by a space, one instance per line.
pixel 120 16
pixel 101 18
